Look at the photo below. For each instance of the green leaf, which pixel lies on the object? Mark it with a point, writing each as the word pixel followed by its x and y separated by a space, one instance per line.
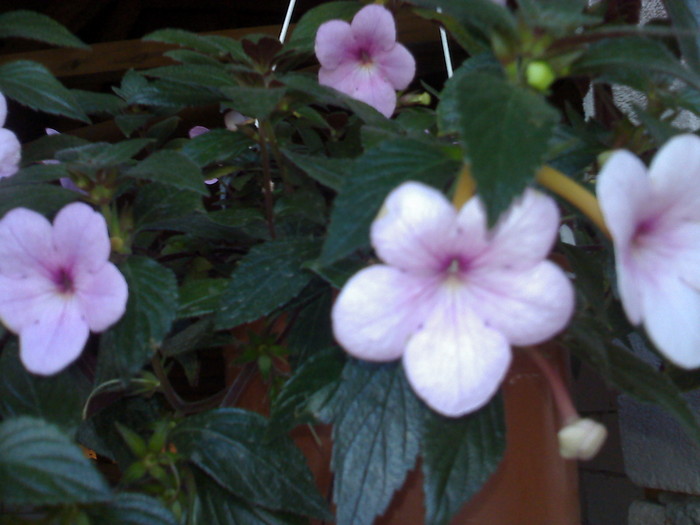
pixel 372 176
pixel 311 332
pixel 184 38
pixel 310 387
pixel 132 509
pixel 219 506
pixel 31 84
pixel 558 17
pixel 217 145
pixel 103 103
pixel 304 33
pixel 255 102
pixel 376 435
pixel 36 26
pixel 171 168
pixel 327 171
pixel 57 399
pixel 46 147
pixel 631 56
pixel 195 74
pixel 200 296
pixel 266 278
pixel 459 455
pixel 159 205
pixel 39 465
pixel 43 198
pixel 480 18
pixel 188 339
pixel 149 313
pixel 505 129
pixel 228 444
pixel 685 15
pixel 104 154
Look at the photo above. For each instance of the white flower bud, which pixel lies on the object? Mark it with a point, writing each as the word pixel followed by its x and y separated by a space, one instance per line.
pixel 581 439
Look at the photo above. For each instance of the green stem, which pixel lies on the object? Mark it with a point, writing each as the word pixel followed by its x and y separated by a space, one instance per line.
pixel 267 182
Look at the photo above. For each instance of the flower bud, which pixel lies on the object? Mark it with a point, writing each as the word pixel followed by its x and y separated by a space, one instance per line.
pixel 581 439
pixel 540 75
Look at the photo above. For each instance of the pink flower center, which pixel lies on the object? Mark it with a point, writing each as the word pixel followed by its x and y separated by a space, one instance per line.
pixel 365 58
pixel 644 230
pixel 64 281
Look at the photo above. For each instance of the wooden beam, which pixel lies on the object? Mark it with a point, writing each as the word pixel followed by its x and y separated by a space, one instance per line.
pixel 120 56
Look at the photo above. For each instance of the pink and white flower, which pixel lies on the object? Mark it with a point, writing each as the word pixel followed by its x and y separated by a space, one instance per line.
pixel 57 284
pixel 363 60
pixel 452 296
pixel 654 219
pixel 10 148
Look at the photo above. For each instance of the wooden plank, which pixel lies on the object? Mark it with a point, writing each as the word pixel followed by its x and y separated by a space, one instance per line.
pixel 120 56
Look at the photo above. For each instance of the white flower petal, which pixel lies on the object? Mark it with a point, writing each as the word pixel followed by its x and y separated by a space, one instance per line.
pixel 397 65
pixel 528 306
pixel 22 300
pixel 26 246
pixel 672 319
pixel 102 297
pixel 624 193
pixel 377 311
pixel 10 153
pixel 374 29
pixel 524 234
pixel 55 339
pixel 334 44
pixel 80 238
pixel 454 362
pixel 415 229
pixel 675 176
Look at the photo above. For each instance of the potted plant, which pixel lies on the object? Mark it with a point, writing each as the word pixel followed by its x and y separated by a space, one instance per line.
pixel 347 247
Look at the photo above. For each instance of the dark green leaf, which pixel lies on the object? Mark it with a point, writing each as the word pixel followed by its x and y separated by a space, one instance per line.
pixel 311 332
pixel 41 173
pixel 311 386
pixel 254 102
pixel 39 465
pixel 685 15
pixel 266 278
pixel 201 296
pixel 171 168
pixel 36 26
pixel 324 170
pixel 196 74
pixel 558 17
pixel 228 444
pixel 216 145
pixel 620 58
pixel 304 33
pixel 103 154
pixel 94 103
pixel 31 84
pixel 459 455
pixel 506 130
pixel 132 509
pixel 58 399
pixel 376 437
pixel 184 38
pixel 158 205
pixel 44 198
pixel 149 313
pixel 219 506
pixel 45 147
pixel 371 178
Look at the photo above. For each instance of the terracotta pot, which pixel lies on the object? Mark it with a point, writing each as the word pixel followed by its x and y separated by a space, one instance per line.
pixel 532 486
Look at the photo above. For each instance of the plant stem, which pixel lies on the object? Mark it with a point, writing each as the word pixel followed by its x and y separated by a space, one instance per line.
pixel 566 408
pixel 574 193
pixel 267 182
pixel 466 187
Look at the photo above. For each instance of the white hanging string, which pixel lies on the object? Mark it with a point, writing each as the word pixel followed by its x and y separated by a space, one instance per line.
pixel 445 49
pixel 287 19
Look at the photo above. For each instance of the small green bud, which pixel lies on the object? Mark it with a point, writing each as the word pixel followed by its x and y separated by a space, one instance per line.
pixel 136 443
pixel 540 75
